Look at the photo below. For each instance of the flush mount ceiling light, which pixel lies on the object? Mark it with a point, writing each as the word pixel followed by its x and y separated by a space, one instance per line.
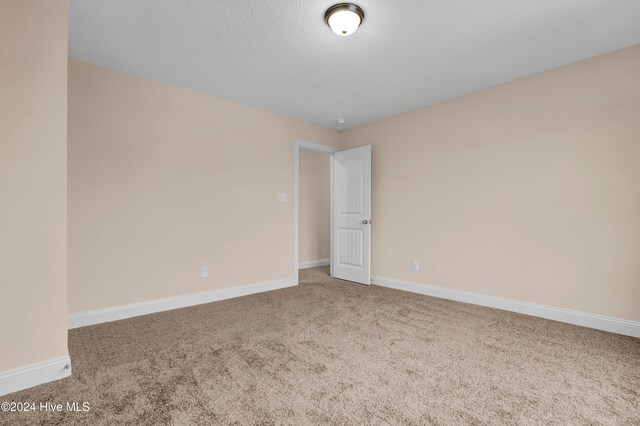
pixel 344 18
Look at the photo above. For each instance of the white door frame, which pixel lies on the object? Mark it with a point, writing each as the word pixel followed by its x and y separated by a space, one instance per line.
pixel 310 146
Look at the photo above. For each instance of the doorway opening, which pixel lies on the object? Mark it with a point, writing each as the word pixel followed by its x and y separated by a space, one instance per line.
pixel 314 209
pixel 349 211
pixel 312 195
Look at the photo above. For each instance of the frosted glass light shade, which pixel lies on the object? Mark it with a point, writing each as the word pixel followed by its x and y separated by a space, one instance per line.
pixel 344 18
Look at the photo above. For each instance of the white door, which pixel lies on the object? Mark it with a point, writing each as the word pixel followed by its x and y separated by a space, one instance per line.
pixel 351 259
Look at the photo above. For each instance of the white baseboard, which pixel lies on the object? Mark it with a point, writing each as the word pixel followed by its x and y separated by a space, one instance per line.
pixel 314 263
pixel 32 375
pixel 115 313
pixel 599 322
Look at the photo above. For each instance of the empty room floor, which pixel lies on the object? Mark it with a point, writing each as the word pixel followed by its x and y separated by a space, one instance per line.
pixel 334 352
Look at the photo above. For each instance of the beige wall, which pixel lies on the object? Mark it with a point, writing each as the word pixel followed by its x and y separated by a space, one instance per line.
pixel 163 181
pixel 529 190
pixel 314 214
pixel 33 203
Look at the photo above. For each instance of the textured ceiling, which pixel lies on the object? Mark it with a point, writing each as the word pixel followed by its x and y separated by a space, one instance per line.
pixel 279 55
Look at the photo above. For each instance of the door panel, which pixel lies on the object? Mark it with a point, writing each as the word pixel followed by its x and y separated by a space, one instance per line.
pixel 352 215
pixel 351 242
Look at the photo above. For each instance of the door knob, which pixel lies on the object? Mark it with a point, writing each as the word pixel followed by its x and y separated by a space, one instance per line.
pixel 366 222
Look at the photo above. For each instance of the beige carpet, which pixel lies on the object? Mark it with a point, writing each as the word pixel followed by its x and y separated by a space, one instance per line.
pixel 332 352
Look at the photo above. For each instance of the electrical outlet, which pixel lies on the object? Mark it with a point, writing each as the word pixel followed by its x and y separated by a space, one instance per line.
pixel 282 197
pixel 204 272
pixel 415 265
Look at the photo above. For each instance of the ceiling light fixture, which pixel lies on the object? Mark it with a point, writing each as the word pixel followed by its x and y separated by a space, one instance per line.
pixel 344 18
